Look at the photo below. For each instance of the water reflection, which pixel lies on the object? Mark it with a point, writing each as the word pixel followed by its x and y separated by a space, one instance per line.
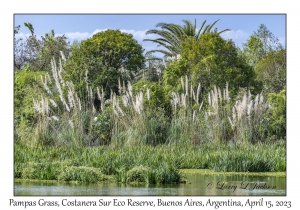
pixel 199 185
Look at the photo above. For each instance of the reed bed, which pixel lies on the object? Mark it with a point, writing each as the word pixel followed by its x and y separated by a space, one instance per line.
pixel 149 164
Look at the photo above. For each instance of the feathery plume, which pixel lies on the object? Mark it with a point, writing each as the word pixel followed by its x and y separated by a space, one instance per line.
pixel 53 102
pixel 198 93
pixel 186 85
pixel 148 93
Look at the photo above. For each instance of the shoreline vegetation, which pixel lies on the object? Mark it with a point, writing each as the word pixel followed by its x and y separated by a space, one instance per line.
pixel 160 164
pixel 95 115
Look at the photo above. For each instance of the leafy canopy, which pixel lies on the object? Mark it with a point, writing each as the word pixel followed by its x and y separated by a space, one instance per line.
pixel 106 57
pixel 210 61
pixel 172 35
pixel 259 45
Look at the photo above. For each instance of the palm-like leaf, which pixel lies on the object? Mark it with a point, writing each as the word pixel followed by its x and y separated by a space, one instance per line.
pixel 172 35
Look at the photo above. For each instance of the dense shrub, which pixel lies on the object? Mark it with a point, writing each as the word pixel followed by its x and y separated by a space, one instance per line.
pixel 211 61
pixel 277 120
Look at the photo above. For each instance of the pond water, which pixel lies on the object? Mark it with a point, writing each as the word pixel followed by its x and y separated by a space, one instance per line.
pixel 199 184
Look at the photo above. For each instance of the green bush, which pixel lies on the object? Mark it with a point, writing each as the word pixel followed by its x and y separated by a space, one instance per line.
pixel 107 56
pixel 158 95
pixel 102 127
pixel 277 124
pixel 211 60
pixel 137 174
pixel 26 88
pixel 43 171
pixel 82 174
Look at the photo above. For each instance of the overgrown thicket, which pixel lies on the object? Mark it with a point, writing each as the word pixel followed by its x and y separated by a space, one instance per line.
pixel 95 116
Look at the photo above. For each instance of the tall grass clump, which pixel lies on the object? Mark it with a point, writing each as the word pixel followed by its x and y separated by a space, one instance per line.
pixel 248 120
pixel 132 123
pixel 62 118
pixel 219 120
pixel 185 126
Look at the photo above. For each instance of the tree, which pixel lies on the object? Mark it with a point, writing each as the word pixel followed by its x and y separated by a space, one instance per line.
pixel 211 61
pixel 277 126
pixel 38 52
pixel 106 57
pixel 172 35
pixel 259 45
pixel 271 71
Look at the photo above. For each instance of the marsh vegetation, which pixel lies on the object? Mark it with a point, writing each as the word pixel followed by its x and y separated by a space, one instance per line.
pixel 106 112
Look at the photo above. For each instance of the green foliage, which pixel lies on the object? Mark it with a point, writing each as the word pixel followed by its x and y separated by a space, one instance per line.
pixel 107 56
pixel 149 164
pixel 158 96
pixel 173 73
pixel 82 174
pixel 259 45
pixel 277 127
pixel 44 171
pixel 39 52
pixel 271 71
pixel 253 50
pixel 172 35
pixel 26 87
pixel 102 127
pixel 137 174
pixel 211 61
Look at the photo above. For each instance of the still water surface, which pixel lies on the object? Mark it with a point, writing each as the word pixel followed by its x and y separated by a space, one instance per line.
pixel 198 184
